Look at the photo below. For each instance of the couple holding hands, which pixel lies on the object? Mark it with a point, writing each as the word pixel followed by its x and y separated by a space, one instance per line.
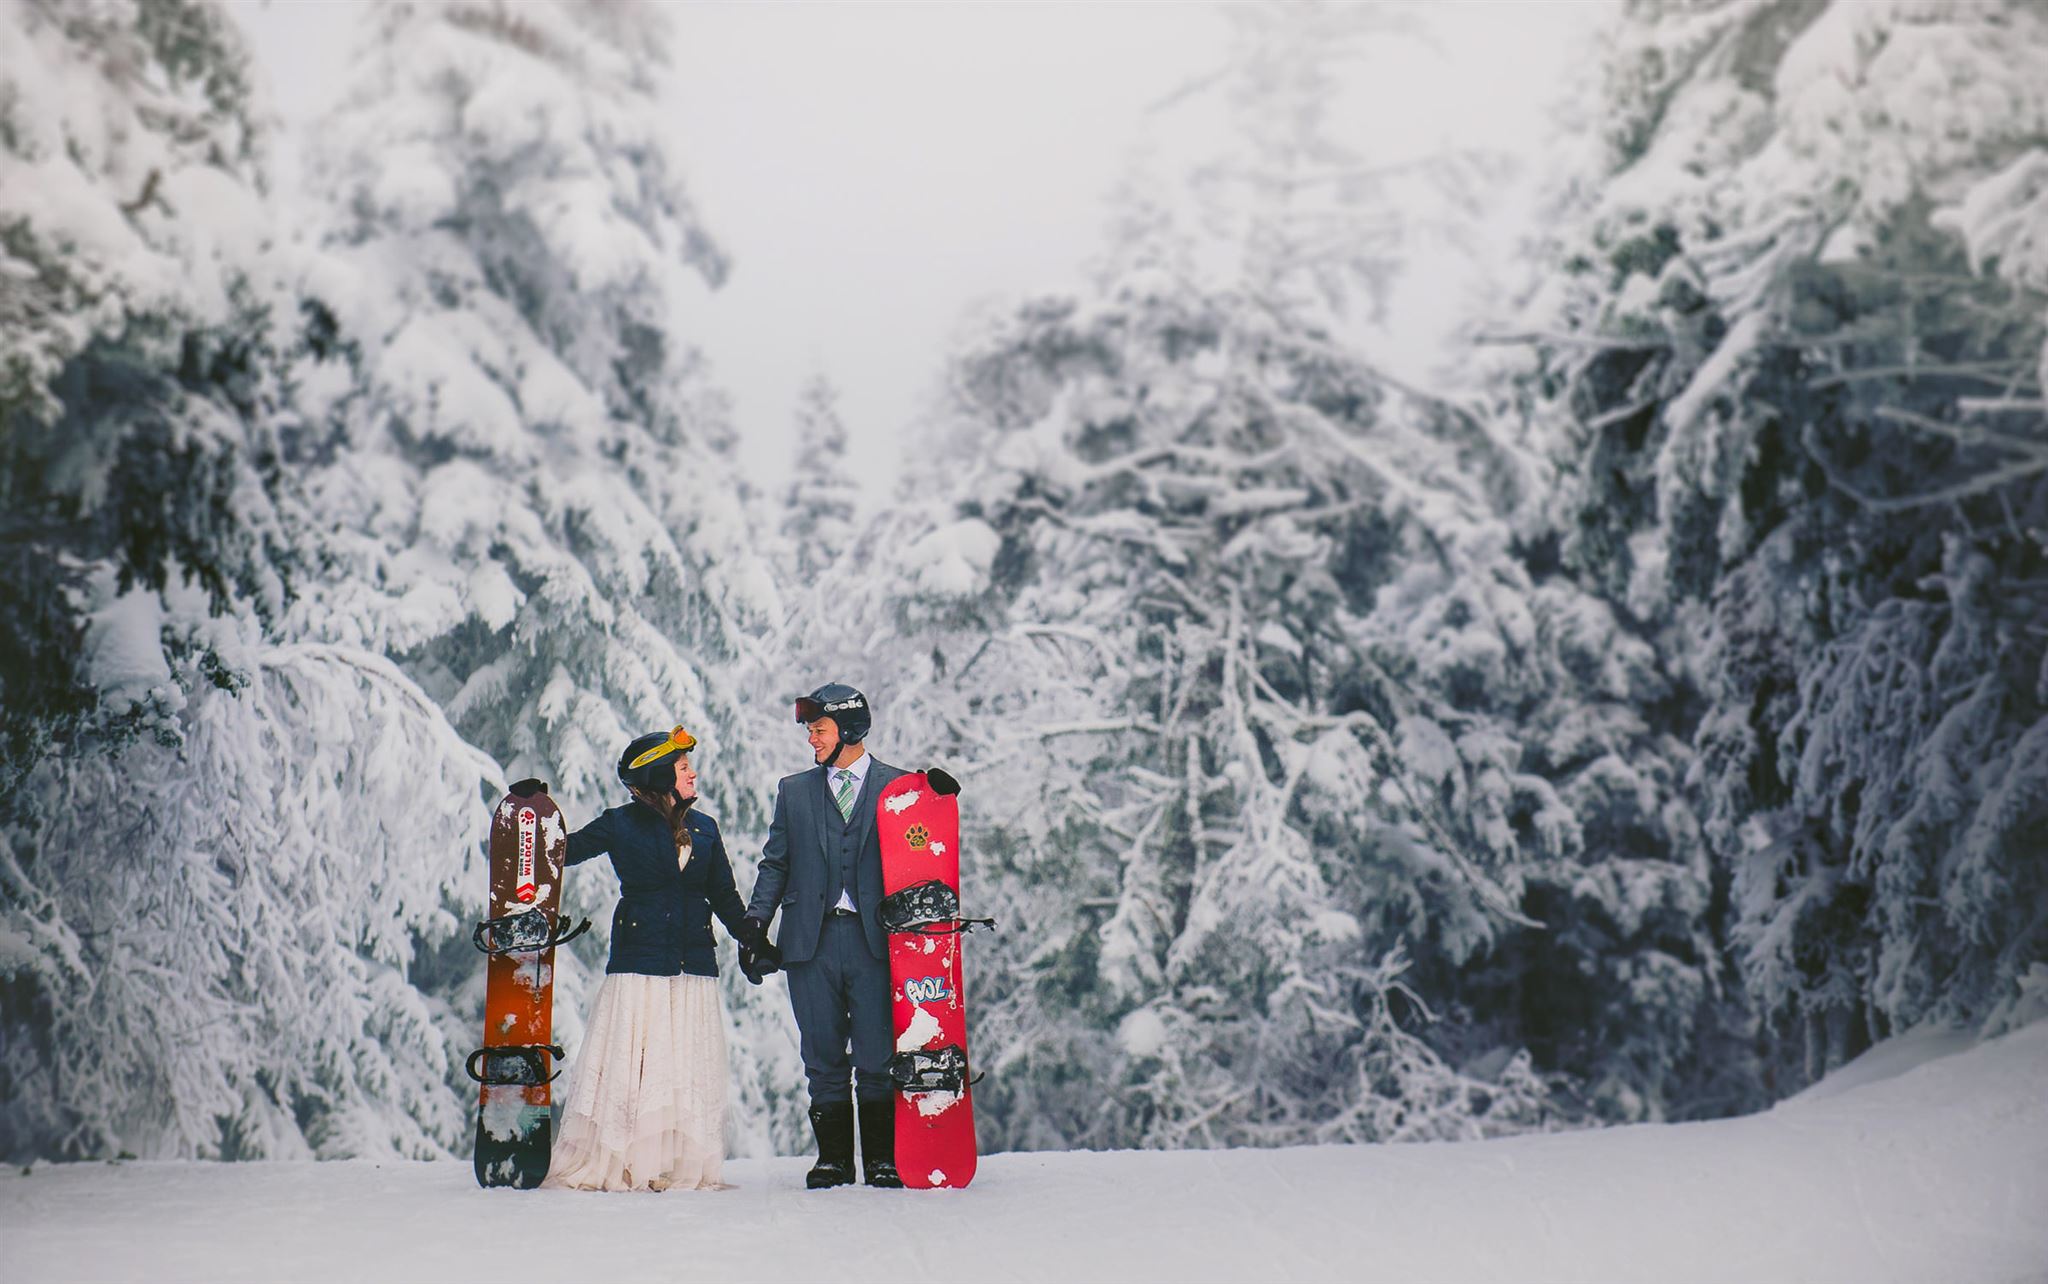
pixel 646 1109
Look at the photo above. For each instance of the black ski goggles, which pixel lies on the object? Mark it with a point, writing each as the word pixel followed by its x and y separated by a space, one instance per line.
pixel 809 710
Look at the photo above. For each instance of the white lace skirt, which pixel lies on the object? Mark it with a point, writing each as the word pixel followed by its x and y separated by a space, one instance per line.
pixel 646 1109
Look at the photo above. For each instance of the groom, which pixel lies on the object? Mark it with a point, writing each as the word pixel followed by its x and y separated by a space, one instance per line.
pixel 823 866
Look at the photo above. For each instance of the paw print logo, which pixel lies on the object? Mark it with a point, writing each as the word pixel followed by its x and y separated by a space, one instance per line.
pixel 918 837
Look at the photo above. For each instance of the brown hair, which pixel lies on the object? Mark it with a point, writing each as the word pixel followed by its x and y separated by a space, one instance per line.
pixel 676 816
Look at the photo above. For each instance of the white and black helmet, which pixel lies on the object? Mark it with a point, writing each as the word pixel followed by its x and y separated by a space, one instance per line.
pixel 846 707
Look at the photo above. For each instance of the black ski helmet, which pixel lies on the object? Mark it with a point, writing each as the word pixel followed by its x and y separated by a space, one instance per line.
pixel 649 761
pixel 846 707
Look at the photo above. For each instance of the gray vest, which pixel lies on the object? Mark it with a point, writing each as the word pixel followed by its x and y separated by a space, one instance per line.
pixel 845 861
pixel 849 852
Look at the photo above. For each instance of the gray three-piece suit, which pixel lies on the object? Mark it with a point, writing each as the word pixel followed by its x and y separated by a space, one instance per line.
pixel 838 965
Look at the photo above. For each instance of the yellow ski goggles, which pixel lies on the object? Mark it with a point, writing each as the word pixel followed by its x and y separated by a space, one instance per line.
pixel 679 741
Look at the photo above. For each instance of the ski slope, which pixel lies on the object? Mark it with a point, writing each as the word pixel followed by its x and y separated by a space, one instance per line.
pixel 1925 1161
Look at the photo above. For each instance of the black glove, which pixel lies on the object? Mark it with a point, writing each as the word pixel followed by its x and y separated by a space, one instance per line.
pixel 753 933
pixel 941 781
pixel 755 964
pixel 758 956
pixel 528 787
pixel 750 966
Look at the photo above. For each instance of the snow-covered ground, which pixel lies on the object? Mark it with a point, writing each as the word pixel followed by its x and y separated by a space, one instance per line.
pixel 1925 1161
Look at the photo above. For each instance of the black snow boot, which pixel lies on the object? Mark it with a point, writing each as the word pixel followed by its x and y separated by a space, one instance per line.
pixel 878 1142
pixel 833 1123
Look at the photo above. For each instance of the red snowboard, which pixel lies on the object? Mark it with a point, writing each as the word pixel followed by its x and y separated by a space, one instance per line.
pixel 920 833
pixel 516 1064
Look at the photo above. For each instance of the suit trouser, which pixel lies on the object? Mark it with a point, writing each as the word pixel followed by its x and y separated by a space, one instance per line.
pixel 841 996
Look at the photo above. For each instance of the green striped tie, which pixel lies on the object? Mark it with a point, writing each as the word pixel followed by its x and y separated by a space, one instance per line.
pixel 845 795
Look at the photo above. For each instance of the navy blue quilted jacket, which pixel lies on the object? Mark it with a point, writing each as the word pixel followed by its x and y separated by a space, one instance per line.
pixel 663 923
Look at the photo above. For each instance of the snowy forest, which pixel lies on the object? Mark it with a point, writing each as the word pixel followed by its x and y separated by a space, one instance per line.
pixel 1630 721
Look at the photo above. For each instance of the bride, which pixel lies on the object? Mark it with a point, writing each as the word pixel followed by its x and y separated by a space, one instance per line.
pixel 647 1106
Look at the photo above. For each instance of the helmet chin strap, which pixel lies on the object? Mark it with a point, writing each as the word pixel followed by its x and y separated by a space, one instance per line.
pixel 839 747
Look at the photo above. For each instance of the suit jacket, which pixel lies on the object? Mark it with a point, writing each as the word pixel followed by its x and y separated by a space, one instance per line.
pixel 796 862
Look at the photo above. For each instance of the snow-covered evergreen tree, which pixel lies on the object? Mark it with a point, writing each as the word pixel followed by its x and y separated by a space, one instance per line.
pixel 1293 206
pixel 822 500
pixel 1269 725
pixel 124 170
pixel 541 521
pixel 529 451
pixel 1342 761
pixel 206 906
pixel 1794 363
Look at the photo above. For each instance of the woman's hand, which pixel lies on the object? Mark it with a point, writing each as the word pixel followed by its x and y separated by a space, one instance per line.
pixel 753 933
pixel 755 964
pixel 758 956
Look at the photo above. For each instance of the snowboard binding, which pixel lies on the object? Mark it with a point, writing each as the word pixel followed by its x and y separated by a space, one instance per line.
pixel 931 1070
pixel 930 908
pixel 533 930
pixel 517 1063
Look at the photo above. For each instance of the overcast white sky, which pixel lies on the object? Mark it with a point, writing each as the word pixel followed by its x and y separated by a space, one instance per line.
pixel 877 168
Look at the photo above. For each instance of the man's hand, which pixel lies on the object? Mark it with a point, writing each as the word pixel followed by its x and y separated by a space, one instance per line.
pixel 528 787
pixel 941 781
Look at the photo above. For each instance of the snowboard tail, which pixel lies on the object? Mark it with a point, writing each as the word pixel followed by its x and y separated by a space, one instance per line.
pixel 518 1062
pixel 919 829
pixel 516 1149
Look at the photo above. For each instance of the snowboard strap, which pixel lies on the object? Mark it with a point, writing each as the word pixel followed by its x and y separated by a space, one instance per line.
pixel 950 926
pixel 930 908
pixel 514 1063
pixel 931 1070
pixel 532 930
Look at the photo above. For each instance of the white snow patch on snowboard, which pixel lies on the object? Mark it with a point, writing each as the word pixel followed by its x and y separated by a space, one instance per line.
pixel 533 974
pixel 904 801
pixel 501 1113
pixel 923 1028
pixel 938 849
pixel 930 1104
pixel 937 1177
pixel 551 830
